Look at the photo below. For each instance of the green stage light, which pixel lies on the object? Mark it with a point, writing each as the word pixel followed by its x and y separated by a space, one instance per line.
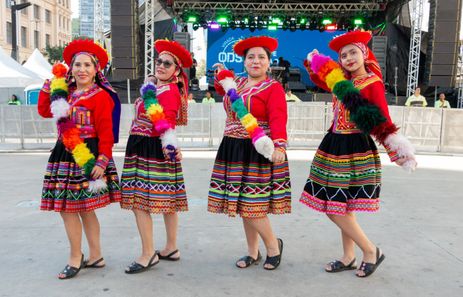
pixel 327 21
pixel 192 19
pixel 272 27
pixel 277 21
pixel 302 21
pixel 358 22
pixel 222 19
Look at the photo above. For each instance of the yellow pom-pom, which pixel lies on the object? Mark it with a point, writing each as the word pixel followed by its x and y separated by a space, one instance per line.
pixel 154 108
pixel 82 154
pixel 248 121
pixel 58 83
pixel 335 76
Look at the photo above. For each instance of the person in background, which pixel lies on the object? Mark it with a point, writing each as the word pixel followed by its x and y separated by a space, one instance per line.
pixel 442 103
pixel 416 99
pixel 191 99
pixel 290 97
pixel 208 98
pixel 14 100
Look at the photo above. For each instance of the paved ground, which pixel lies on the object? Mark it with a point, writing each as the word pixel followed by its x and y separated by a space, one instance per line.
pixel 419 228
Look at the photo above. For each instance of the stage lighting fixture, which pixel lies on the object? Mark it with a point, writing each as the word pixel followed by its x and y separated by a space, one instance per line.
pixel 331 27
pixel 313 25
pixel 292 26
pixel 195 26
pixel 203 24
pixel 276 20
pixel 285 25
pixel 242 25
pixel 191 17
pixel 327 21
pixel 302 20
pixel 358 22
pixel 272 27
pixel 214 26
pixel 232 24
pixel 221 19
pixel 252 26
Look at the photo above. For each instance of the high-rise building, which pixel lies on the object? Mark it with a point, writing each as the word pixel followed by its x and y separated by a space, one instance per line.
pixel 45 22
pixel 86 14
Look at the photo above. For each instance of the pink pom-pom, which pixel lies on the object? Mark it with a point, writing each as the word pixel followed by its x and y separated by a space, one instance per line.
pixel 257 133
pixel 161 126
pixel 318 61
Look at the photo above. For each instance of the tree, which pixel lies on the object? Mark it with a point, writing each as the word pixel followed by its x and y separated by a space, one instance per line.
pixel 55 53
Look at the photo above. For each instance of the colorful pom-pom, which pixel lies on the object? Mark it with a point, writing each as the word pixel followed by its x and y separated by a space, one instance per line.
pixel 59 70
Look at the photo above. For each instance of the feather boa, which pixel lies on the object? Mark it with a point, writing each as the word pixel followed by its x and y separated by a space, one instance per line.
pixel 70 134
pixel 263 144
pixel 156 114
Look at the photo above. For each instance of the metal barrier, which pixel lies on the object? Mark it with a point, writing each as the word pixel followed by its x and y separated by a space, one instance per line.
pixel 429 129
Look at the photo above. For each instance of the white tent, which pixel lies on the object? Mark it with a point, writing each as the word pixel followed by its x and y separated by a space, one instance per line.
pixel 13 75
pixel 39 65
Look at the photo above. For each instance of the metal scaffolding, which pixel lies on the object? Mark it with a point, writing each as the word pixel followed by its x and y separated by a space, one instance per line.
pixel 98 21
pixel 270 8
pixel 415 46
pixel 460 78
pixel 149 37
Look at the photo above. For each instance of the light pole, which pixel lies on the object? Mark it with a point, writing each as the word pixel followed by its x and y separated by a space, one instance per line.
pixel 15 7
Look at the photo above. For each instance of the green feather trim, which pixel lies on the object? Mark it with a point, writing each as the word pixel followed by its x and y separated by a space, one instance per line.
pixel 342 88
pixel 88 167
pixel 366 117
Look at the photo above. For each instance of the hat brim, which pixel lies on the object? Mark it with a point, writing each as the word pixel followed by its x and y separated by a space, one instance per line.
pixel 269 43
pixel 175 48
pixel 348 38
pixel 85 45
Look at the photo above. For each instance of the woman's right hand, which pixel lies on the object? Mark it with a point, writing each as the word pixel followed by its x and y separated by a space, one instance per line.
pixel 219 67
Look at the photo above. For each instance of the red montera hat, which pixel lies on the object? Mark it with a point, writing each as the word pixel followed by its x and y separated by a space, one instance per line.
pixel 175 49
pixel 257 41
pixel 87 46
pixel 348 38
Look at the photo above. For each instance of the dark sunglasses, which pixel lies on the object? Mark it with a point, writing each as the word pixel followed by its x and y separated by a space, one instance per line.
pixel 166 63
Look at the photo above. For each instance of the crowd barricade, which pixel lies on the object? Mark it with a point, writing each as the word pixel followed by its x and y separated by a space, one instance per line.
pixel 429 129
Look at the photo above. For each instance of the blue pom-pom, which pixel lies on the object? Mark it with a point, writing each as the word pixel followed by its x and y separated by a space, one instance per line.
pixel 233 95
pixel 146 87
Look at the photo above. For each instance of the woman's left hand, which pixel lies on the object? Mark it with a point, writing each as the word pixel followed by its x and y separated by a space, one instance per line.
pixel 97 172
pixel 178 154
pixel 278 156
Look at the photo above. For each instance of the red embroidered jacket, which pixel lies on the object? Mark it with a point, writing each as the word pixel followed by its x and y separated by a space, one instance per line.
pixel 266 102
pixel 92 113
pixel 168 96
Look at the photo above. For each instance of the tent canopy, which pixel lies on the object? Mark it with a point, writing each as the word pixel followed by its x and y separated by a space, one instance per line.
pixel 39 65
pixel 13 75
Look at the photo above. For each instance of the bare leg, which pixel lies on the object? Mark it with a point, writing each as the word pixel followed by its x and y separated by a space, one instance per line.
pixel 264 228
pixel 145 228
pixel 171 224
pixel 352 229
pixel 252 238
pixel 92 232
pixel 348 246
pixel 73 228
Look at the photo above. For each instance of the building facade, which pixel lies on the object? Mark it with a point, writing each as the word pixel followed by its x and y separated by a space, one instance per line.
pixel 86 14
pixel 44 22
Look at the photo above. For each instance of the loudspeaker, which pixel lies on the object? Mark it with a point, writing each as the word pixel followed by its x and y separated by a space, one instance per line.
pixel 124 28
pixel 443 43
pixel 379 48
pixel 184 39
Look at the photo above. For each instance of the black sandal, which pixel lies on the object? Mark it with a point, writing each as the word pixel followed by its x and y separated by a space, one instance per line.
pixel 169 256
pixel 71 271
pixel 248 260
pixel 137 267
pixel 275 260
pixel 369 268
pixel 338 266
pixel 94 264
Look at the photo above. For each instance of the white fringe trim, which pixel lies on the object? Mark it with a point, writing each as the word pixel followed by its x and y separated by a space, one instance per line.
pixel 59 109
pixel 169 137
pixel 95 186
pixel 404 149
pixel 265 147
pixel 228 83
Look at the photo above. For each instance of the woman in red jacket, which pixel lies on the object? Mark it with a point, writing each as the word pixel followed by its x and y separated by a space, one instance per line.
pixel 251 175
pixel 345 175
pixel 152 178
pixel 81 175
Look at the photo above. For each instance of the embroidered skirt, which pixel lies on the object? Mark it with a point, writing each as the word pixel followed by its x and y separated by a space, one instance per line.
pixel 246 183
pixel 65 188
pixel 345 175
pixel 150 182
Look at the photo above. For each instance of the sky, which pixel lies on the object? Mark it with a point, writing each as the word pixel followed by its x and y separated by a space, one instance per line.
pixel 75 8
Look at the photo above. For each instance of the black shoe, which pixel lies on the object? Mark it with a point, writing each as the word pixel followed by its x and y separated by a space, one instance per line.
pixel 94 264
pixel 369 268
pixel 70 271
pixel 248 260
pixel 137 267
pixel 169 256
pixel 338 266
pixel 275 260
